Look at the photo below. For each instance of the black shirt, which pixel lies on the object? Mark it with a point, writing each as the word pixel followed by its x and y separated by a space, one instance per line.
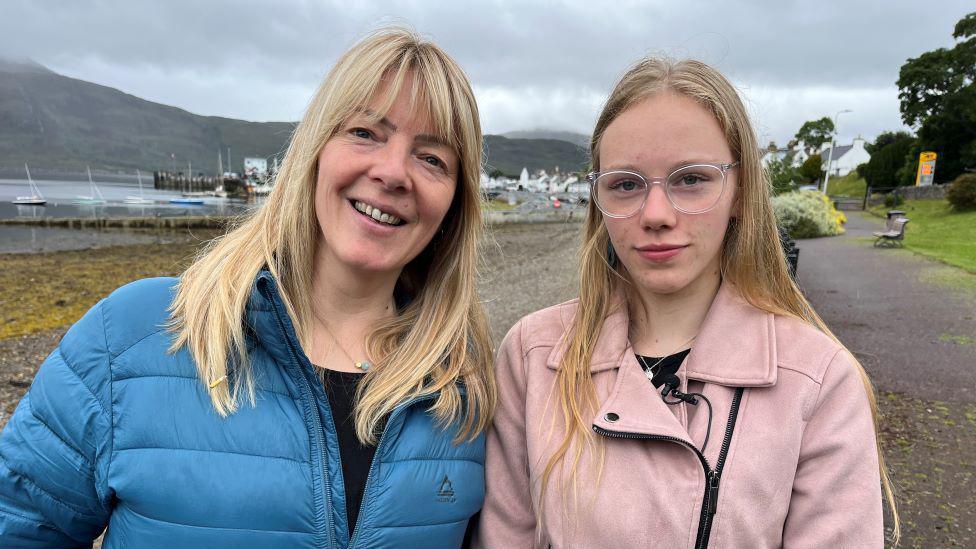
pixel 356 458
pixel 667 367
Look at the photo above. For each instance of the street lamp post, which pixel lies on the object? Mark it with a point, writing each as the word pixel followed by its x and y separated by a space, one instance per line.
pixel 833 143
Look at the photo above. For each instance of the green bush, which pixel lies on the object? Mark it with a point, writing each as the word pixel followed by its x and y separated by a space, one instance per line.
pixel 893 200
pixel 962 192
pixel 808 214
pixel 888 156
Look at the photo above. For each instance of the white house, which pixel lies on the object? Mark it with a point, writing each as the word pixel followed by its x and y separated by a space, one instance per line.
pixel 845 158
pixel 798 149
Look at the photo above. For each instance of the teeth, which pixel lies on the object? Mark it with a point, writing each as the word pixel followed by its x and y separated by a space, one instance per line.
pixel 376 213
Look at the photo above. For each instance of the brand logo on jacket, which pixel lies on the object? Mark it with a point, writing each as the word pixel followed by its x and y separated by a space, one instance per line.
pixel 445 491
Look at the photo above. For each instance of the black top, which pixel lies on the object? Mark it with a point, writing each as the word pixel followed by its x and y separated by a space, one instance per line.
pixel 667 367
pixel 356 458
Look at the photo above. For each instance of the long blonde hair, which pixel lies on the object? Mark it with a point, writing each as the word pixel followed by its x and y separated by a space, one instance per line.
pixel 751 255
pixel 440 338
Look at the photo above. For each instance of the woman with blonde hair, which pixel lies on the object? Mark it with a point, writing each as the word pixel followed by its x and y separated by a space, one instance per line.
pixel 319 377
pixel 690 396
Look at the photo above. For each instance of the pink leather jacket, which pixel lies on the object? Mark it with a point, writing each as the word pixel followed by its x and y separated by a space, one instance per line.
pixel 791 459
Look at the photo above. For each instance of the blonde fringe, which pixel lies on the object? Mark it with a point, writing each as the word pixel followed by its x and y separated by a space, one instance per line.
pixel 751 259
pixel 440 339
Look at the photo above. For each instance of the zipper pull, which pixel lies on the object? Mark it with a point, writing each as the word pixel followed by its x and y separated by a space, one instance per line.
pixel 713 482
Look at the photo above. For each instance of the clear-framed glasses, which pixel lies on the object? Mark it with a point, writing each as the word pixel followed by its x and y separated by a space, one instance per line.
pixel 691 189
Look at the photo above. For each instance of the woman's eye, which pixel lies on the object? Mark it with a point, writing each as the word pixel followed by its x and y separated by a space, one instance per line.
pixel 361 133
pixel 434 161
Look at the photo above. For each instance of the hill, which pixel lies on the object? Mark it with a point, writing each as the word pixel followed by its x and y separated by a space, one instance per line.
pixel 511 155
pixel 573 137
pixel 62 124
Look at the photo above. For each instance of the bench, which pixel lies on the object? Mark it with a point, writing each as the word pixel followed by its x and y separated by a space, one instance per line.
pixel 845 203
pixel 894 235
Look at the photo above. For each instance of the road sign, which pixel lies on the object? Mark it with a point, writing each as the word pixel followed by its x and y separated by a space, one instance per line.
pixel 926 169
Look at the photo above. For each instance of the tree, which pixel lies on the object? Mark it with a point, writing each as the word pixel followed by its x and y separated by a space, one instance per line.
pixel 811 169
pixel 938 97
pixel 883 140
pixel 889 153
pixel 814 133
pixel 782 174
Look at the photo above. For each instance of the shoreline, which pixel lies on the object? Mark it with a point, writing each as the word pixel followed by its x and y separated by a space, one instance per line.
pixel 492 217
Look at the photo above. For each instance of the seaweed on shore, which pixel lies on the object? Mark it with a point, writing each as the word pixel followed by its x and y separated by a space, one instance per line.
pixel 54 289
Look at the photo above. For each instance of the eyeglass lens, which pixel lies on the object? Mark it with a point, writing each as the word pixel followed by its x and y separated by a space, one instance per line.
pixel 690 189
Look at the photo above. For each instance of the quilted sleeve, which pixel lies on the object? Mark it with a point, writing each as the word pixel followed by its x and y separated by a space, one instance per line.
pixel 54 450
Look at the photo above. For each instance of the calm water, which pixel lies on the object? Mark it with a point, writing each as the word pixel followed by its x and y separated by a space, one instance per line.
pixel 60 194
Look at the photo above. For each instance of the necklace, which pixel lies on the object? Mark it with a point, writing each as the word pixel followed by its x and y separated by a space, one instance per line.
pixel 359 364
pixel 649 370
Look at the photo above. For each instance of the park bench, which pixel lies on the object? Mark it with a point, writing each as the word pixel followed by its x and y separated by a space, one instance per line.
pixel 790 250
pixel 846 203
pixel 893 235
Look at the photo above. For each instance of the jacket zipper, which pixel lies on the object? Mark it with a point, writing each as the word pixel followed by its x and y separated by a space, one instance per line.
pixel 379 447
pixel 712 477
pixel 317 419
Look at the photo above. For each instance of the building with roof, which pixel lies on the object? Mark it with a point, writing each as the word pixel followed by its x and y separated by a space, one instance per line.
pixel 845 158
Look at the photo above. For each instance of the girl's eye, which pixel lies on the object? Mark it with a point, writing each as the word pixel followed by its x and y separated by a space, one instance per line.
pixel 623 185
pixel 690 180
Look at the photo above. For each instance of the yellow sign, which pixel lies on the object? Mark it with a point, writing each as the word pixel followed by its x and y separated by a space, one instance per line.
pixel 926 169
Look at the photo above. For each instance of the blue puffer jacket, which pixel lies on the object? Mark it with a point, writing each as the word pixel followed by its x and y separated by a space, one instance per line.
pixel 114 431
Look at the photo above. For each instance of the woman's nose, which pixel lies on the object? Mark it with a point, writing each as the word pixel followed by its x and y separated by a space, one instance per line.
pixel 391 164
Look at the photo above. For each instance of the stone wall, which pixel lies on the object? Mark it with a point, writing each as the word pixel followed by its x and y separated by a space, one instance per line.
pixel 913 193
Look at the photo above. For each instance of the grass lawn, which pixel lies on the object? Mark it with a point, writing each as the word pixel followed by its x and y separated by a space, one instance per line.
pixel 939 232
pixel 851 185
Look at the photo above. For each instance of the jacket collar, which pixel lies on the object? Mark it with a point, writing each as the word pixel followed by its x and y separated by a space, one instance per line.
pixel 736 345
pixel 267 321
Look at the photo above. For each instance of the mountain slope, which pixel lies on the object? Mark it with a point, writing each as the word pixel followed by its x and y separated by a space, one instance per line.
pixel 63 124
pixel 573 137
pixel 511 155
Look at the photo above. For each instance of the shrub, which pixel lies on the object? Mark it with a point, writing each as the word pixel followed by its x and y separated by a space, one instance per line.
pixel 808 214
pixel 893 200
pixel 888 155
pixel 962 192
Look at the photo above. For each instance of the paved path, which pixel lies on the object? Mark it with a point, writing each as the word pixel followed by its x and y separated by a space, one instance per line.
pixel 910 320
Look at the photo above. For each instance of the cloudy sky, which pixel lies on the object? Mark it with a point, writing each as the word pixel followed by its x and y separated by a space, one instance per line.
pixel 533 64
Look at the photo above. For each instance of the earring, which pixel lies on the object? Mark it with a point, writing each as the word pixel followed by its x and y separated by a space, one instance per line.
pixel 612 258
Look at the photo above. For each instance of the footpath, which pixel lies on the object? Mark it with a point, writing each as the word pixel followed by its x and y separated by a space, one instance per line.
pixel 911 321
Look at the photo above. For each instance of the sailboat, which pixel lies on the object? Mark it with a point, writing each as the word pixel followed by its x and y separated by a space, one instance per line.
pixel 91 200
pixel 35 198
pixel 141 199
pixel 189 198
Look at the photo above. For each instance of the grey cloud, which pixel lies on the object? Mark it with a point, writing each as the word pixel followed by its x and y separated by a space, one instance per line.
pixel 261 60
